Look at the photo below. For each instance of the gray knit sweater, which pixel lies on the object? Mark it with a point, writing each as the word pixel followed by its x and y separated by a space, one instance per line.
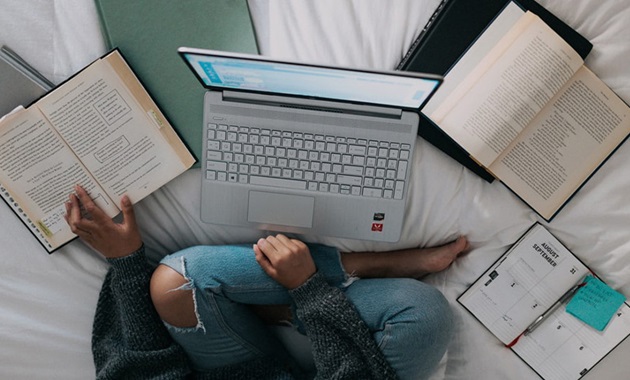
pixel 129 340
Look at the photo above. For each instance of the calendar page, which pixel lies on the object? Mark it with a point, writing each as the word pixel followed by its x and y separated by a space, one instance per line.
pixel 529 281
pixel 565 348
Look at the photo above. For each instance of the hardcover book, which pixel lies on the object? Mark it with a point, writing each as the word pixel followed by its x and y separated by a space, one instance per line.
pixel 453 28
pixel 99 129
pixel 524 107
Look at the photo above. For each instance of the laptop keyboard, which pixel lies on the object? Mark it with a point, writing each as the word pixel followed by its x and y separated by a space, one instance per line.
pixel 304 161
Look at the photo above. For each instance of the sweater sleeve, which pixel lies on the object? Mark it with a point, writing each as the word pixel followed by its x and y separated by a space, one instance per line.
pixel 343 346
pixel 129 339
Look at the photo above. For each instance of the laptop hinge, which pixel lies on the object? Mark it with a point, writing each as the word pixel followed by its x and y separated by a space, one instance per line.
pixel 314 104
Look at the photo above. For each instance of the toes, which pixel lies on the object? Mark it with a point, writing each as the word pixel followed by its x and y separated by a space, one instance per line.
pixel 461 244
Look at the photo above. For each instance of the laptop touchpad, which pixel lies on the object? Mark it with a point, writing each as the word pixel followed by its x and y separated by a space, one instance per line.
pixel 280 209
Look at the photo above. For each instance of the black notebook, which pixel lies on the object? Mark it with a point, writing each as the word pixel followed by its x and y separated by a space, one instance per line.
pixel 454 26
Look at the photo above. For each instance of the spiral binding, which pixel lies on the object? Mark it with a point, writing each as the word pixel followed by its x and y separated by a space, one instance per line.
pixel 22 215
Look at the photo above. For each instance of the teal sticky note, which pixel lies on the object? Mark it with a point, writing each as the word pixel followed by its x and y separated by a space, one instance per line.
pixel 595 303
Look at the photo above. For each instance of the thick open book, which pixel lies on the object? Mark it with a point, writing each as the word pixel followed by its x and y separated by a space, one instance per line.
pixel 437 49
pixel 524 106
pixel 99 129
pixel 530 279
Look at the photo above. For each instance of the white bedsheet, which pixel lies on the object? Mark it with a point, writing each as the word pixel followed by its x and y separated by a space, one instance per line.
pixel 47 302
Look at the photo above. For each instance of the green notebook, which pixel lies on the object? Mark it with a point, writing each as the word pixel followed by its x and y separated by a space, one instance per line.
pixel 148 33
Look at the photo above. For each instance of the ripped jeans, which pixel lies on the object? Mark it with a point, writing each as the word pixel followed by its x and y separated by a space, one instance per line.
pixel 410 320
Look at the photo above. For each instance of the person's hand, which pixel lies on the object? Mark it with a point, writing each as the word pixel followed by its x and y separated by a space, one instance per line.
pixel 111 239
pixel 288 261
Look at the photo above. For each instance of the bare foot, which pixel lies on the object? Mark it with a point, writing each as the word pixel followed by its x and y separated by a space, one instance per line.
pixel 411 263
pixel 436 259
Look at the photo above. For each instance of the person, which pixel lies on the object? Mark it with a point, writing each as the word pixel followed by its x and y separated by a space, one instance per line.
pixel 192 317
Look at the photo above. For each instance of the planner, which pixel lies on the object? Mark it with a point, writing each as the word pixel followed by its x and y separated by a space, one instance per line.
pixel 546 305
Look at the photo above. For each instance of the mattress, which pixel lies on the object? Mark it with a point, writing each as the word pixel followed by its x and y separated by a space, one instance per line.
pixel 47 302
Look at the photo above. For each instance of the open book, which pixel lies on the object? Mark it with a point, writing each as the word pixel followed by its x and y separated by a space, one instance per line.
pixel 533 279
pixel 524 106
pixel 99 129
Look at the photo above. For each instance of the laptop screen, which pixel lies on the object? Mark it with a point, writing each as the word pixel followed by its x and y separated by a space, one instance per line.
pixel 225 71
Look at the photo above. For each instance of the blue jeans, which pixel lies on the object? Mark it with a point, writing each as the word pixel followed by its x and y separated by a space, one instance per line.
pixel 410 320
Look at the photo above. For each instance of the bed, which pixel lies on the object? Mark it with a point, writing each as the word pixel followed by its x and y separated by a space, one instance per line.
pixel 47 302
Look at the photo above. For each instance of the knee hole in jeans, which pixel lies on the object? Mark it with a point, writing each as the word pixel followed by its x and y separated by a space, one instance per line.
pixel 172 300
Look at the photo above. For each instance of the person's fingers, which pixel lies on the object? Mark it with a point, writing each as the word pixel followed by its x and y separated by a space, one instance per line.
pixel 293 246
pixel 262 259
pixel 282 238
pixel 68 206
pixel 269 247
pixel 283 248
pixel 257 251
pixel 73 209
pixel 283 261
pixel 299 243
pixel 129 215
pixel 90 207
pixel 260 256
pixel 272 243
pixel 78 225
pixel 263 248
pixel 286 242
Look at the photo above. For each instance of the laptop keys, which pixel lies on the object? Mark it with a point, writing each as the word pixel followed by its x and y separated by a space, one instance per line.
pixel 294 160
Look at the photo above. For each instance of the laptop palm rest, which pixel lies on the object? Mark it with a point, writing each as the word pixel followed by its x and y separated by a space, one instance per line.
pixel 280 209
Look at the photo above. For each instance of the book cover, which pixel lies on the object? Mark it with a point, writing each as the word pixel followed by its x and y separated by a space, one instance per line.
pixel 151 31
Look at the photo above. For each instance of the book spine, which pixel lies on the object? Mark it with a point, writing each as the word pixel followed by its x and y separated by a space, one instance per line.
pixel 13 59
pixel 421 35
pixel 4 193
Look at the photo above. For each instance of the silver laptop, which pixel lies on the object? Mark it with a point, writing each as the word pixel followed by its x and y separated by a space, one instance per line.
pixel 306 149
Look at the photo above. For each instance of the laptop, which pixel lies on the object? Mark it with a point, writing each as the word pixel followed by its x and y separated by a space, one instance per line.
pixel 306 149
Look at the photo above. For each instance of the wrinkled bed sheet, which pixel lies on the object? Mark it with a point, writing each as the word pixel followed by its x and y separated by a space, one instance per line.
pixel 47 302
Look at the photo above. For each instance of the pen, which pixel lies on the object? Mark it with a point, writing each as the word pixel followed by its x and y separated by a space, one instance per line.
pixel 553 308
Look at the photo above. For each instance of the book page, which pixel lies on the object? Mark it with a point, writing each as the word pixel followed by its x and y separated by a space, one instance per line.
pixel 119 141
pixel 582 126
pixel 499 27
pixel 523 284
pixel 501 96
pixel 39 172
pixel 564 348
